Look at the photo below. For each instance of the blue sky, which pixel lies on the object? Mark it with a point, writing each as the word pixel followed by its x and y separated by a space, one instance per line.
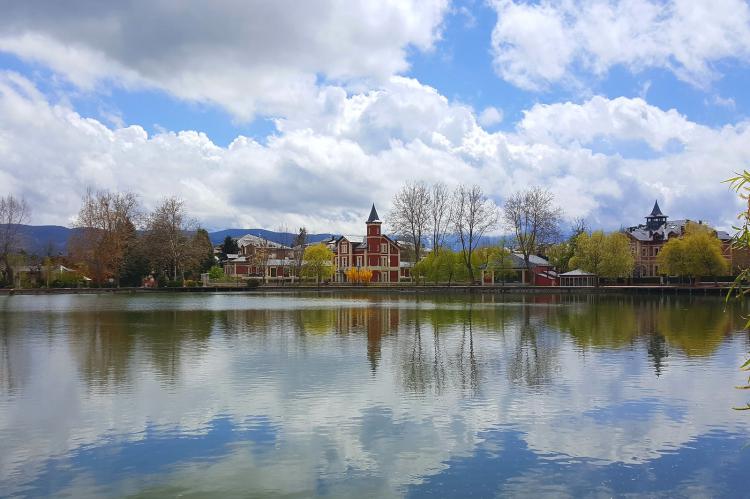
pixel 266 116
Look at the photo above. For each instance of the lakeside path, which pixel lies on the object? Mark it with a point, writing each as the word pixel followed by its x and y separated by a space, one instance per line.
pixel 713 290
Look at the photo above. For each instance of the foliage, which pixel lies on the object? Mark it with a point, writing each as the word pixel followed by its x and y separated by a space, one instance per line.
pixel 253 283
pixel 741 184
pixel 697 253
pixel 358 275
pixel 202 252
pixel 216 273
pixel 606 255
pixel 318 262
pixel 229 247
pixel 107 232
pixel 442 266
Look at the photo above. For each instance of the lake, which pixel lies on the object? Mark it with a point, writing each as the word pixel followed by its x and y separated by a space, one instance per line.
pixel 372 395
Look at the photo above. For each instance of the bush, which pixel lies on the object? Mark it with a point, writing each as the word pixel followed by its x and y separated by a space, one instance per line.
pixel 174 284
pixel 216 273
pixel 189 283
pixel 253 283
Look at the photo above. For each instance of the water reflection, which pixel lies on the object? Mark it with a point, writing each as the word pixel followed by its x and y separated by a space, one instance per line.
pixel 381 395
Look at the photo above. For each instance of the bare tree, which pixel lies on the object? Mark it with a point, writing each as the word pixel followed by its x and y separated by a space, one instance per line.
pixel 298 246
pixel 473 215
pixel 167 229
pixel 440 213
pixel 534 220
pixel 410 216
pixel 106 226
pixel 14 212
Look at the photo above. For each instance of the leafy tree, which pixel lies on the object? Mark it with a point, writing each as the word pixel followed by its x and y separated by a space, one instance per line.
pixel 202 252
pixel 318 262
pixel 106 232
pixel 673 258
pixel 358 275
pixel 606 255
pixel 442 266
pixel 229 247
pixel 697 253
pixel 216 273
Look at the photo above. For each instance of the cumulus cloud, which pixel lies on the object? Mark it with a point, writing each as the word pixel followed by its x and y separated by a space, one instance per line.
pixel 324 168
pixel 491 116
pixel 247 57
pixel 538 44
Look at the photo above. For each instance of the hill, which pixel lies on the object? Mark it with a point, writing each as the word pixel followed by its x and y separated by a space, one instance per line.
pixel 53 239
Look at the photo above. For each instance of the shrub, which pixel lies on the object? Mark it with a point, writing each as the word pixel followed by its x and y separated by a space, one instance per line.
pixel 253 283
pixel 174 284
pixel 216 273
pixel 189 283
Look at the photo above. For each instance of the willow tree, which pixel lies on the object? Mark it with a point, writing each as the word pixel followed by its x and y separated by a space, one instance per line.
pixel 606 255
pixel 697 253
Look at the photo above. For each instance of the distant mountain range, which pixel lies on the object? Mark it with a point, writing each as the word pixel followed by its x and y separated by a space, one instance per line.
pixel 53 239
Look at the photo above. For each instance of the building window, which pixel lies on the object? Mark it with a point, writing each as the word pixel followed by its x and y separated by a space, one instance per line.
pixel 656 251
pixel 384 248
pixel 344 248
pixel 343 261
pixel 644 252
pixel 383 261
pixel 359 261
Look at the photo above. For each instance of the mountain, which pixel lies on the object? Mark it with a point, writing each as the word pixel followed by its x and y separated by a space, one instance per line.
pixel 277 237
pixel 53 239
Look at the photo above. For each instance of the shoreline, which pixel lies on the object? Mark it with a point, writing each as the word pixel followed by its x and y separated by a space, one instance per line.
pixel 708 290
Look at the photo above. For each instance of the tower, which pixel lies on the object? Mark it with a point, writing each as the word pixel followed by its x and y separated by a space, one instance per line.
pixel 373 223
pixel 656 219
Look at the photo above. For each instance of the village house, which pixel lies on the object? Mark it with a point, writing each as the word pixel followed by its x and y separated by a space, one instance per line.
pixel 374 251
pixel 647 240
pixel 262 259
pixel 539 272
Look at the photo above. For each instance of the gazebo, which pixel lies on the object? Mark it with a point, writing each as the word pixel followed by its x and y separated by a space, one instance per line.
pixel 577 277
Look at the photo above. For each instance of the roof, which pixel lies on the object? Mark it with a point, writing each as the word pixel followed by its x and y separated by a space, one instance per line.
pixel 577 273
pixel 656 212
pixel 253 240
pixel 373 218
pixel 667 229
pixel 517 262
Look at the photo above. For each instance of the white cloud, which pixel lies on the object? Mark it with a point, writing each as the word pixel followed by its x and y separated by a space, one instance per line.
pixel 537 44
pixel 247 57
pixel 327 164
pixel 491 116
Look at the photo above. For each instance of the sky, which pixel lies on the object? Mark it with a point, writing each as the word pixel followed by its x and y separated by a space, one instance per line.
pixel 283 114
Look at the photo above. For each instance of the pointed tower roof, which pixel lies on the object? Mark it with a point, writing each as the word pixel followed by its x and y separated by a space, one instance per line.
pixel 373 215
pixel 656 212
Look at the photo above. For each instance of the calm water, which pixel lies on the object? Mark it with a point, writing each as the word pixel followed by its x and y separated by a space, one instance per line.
pixel 371 396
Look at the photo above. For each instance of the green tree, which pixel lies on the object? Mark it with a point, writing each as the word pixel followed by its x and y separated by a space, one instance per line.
pixel 318 262
pixel 704 251
pixel 229 247
pixel 673 258
pixel 606 255
pixel 202 251
pixel 697 253
pixel 216 273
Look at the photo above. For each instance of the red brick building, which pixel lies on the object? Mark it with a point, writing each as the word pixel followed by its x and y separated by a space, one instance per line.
pixel 374 251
